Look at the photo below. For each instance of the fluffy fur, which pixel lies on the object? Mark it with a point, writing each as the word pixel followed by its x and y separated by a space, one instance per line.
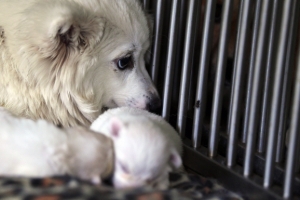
pixel 39 149
pixel 59 58
pixel 146 146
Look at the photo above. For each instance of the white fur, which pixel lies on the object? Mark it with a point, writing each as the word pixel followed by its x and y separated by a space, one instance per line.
pixel 39 149
pixel 58 58
pixel 146 146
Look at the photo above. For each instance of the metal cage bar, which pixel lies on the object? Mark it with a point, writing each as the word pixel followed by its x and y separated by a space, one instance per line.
pixel 202 75
pixel 256 85
pixel 171 56
pixel 294 139
pixel 239 63
pixel 285 97
pixel 220 75
pixel 288 12
pixel 157 42
pixel 193 8
pixel 264 59
pixel 146 4
pixel 254 44
pixel 262 135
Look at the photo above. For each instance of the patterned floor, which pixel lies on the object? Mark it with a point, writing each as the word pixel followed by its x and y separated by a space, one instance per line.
pixel 183 186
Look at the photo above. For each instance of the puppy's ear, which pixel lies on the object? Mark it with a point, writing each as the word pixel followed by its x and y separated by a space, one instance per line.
pixel 175 159
pixel 115 127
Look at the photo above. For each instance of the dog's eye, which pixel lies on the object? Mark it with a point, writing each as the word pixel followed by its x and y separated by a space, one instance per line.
pixel 124 62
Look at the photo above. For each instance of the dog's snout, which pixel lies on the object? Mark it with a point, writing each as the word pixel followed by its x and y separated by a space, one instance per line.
pixel 155 103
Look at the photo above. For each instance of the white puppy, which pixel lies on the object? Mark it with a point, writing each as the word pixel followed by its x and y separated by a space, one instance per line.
pixel 146 146
pixel 39 149
pixel 64 60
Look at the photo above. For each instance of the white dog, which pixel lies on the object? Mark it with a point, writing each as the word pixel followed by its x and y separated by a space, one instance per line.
pixel 39 149
pixel 146 147
pixel 64 60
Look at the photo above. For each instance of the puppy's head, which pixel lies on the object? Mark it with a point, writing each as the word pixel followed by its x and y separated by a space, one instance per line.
pixel 91 154
pixel 143 154
pixel 90 52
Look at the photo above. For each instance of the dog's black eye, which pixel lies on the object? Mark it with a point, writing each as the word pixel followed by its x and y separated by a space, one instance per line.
pixel 124 62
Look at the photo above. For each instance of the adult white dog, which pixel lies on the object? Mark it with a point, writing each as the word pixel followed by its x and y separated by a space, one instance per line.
pixel 64 60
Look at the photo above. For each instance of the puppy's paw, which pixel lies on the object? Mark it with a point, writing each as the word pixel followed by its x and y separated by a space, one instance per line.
pixel 162 184
pixel 96 180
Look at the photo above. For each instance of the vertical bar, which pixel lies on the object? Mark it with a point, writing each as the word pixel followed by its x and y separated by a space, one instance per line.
pixel 202 75
pixel 179 59
pixel 294 135
pixel 239 63
pixel 240 22
pixel 159 18
pixel 220 76
pixel 171 57
pixel 268 75
pixel 187 62
pixel 146 4
pixel 257 84
pixel 251 69
pixel 286 91
pixel 288 11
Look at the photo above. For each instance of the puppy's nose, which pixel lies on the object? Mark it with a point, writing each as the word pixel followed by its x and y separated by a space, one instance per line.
pixel 154 104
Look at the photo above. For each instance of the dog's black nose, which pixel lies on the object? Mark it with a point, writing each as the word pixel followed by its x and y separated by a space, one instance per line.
pixel 154 104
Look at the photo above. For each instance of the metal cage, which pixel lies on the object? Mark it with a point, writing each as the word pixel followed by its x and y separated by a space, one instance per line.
pixel 229 76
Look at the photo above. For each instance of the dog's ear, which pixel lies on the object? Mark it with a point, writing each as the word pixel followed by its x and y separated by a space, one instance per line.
pixel 175 159
pixel 115 127
pixel 65 27
pixel 70 32
pixel 65 31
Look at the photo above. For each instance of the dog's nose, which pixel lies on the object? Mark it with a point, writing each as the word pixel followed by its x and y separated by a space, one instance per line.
pixel 154 104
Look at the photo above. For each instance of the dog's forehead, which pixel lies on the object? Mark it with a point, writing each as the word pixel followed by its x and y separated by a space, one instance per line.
pixel 128 16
